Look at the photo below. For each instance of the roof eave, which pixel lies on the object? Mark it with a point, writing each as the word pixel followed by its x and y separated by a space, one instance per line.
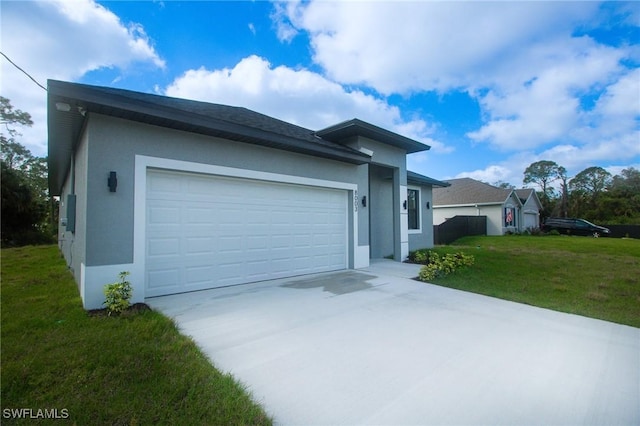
pixel 65 126
pixel 356 127
pixel 495 203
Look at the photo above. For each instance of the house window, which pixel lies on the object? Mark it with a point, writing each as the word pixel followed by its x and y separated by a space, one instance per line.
pixel 413 209
pixel 510 217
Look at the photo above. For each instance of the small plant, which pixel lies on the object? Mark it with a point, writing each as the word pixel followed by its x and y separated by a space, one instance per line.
pixel 440 266
pixel 118 294
pixel 419 256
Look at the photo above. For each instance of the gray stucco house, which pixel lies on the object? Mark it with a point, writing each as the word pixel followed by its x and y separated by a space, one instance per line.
pixel 507 210
pixel 189 195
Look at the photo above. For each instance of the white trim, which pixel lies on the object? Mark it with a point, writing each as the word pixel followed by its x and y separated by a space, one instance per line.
pixel 142 163
pixel 404 250
pixel 441 206
pixel 361 257
pixel 209 169
pixel 418 209
pixel 404 215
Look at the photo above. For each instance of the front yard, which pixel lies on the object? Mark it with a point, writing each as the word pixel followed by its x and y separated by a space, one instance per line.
pixel 138 369
pixel 593 277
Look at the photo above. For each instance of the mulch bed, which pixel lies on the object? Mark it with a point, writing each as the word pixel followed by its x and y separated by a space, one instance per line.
pixel 132 310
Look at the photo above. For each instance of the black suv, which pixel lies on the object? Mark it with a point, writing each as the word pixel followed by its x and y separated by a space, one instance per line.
pixel 574 227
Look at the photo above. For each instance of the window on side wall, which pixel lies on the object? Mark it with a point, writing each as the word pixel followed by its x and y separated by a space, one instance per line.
pixel 413 209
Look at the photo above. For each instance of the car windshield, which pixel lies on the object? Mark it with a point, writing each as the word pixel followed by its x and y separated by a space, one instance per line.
pixel 587 222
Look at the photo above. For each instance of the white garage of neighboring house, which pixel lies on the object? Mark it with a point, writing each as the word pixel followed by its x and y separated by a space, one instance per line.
pixel 189 195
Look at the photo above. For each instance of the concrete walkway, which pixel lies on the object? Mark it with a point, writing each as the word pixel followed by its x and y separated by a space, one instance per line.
pixel 375 347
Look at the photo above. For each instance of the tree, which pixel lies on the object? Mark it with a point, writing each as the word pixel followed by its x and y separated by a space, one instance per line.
pixel 25 200
pixel 587 188
pixel 503 185
pixel 592 182
pixel 564 188
pixel 621 202
pixel 542 173
pixel 14 155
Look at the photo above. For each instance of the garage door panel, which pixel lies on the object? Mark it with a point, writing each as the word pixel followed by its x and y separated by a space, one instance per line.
pixel 165 279
pixel 205 231
pixel 164 215
pixel 200 245
pixel 163 246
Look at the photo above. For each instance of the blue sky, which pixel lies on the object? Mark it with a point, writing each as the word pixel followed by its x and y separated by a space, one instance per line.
pixel 490 86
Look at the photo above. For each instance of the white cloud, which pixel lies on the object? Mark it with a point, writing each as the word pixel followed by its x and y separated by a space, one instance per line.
pixel 402 46
pixel 545 91
pixel 63 40
pixel 548 108
pixel 297 96
pixel 283 17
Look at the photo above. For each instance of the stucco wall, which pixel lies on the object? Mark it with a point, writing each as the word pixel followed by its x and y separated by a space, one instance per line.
pixel 113 146
pixel 363 211
pixel 381 213
pixel 395 228
pixel 72 244
pixel 424 238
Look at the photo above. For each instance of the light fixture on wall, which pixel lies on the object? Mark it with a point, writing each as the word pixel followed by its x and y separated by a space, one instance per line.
pixel 428 206
pixel 364 201
pixel 63 106
pixel 112 182
pixel 404 204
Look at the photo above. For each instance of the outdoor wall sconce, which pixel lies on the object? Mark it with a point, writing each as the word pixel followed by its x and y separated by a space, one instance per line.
pixel 427 205
pixel 404 204
pixel 364 201
pixel 112 182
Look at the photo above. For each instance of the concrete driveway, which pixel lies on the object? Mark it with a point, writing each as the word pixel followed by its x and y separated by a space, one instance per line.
pixel 375 347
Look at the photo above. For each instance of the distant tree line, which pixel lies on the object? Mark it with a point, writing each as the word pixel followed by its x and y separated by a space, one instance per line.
pixel 593 194
pixel 29 214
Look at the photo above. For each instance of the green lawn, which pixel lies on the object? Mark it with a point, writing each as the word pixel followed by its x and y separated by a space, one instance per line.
pixel 135 369
pixel 594 277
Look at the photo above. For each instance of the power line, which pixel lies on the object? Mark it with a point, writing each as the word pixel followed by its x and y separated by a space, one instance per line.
pixel 25 73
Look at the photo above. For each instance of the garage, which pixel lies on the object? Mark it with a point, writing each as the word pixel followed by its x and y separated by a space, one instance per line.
pixel 205 231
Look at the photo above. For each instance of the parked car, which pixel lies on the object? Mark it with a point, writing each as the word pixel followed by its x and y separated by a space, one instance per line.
pixel 573 226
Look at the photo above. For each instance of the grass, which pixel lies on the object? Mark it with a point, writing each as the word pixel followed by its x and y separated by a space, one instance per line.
pixel 593 277
pixel 134 369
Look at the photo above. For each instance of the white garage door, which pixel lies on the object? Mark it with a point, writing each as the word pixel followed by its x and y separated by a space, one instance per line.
pixel 205 231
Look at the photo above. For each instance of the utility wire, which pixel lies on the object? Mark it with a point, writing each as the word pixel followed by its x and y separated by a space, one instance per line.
pixel 25 73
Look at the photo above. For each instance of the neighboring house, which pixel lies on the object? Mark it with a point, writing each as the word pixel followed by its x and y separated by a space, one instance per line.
pixel 531 208
pixel 189 195
pixel 469 197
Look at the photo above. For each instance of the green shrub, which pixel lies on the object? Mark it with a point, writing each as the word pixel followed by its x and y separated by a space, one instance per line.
pixel 419 256
pixel 440 266
pixel 118 294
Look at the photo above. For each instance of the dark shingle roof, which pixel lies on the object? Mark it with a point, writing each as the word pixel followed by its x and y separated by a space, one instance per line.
pixel 524 194
pixel 418 179
pixel 68 102
pixel 348 129
pixel 468 191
